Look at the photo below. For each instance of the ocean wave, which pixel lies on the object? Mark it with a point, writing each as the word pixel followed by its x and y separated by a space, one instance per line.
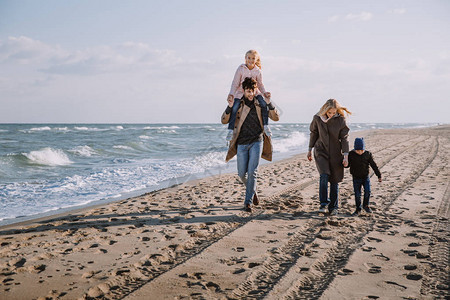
pixel 36 129
pixel 161 127
pixel 145 137
pixel 40 128
pixel 293 142
pixel 84 128
pixel 83 151
pixel 166 131
pixel 122 147
pixel 3 130
pixel 48 156
pixel 61 128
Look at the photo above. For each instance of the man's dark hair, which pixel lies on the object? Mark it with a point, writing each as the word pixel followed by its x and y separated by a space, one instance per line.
pixel 249 83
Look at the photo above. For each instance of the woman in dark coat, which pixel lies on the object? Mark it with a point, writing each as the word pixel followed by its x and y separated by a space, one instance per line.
pixel 329 138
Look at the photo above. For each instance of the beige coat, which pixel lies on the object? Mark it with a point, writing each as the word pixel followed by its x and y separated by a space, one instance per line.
pixel 330 141
pixel 240 118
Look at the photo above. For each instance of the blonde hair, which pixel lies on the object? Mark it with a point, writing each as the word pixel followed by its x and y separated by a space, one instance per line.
pixel 258 58
pixel 333 103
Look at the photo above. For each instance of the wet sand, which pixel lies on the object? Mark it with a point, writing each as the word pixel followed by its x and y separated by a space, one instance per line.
pixel 194 241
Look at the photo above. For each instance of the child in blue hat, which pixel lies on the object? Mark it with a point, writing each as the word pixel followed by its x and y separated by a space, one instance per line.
pixel 359 161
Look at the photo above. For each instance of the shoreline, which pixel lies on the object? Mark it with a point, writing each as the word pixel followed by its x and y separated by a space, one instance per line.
pixel 193 240
pixel 227 169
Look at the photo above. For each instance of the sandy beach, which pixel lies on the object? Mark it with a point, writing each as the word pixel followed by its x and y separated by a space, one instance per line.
pixel 194 241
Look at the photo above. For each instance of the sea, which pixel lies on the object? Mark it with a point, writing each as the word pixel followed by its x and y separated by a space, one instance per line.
pixel 51 168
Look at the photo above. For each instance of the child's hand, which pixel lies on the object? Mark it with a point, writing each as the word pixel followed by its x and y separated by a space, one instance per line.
pixel 380 180
pixel 309 156
pixel 267 96
pixel 230 100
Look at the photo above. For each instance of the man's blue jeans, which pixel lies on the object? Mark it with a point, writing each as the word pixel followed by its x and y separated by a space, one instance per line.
pixel 247 164
pixel 333 202
pixel 235 108
pixel 357 184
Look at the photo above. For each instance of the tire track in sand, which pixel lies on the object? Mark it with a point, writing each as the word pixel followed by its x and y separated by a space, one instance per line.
pixel 315 280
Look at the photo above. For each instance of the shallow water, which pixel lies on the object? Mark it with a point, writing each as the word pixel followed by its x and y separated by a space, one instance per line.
pixel 46 167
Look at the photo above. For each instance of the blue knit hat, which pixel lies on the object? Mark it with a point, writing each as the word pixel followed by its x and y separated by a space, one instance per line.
pixel 359 144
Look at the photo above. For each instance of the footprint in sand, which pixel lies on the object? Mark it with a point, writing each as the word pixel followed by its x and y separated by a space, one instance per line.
pixel 413 276
pixel 197 275
pixel 239 271
pixel 410 267
pixel 374 239
pixel 382 256
pixel 414 245
pixel 252 265
pixel 374 269
pixel 395 283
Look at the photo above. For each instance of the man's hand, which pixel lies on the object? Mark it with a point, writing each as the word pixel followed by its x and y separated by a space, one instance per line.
pixel 309 156
pixel 230 100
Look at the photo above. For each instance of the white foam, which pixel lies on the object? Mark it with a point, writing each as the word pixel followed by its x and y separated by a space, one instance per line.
pixel 293 142
pixel 61 128
pixel 145 137
pixel 84 128
pixel 48 156
pixel 122 147
pixel 166 131
pixel 83 151
pixel 40 128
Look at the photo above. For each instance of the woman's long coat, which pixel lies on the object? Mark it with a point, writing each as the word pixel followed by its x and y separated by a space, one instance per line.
pixel 329 140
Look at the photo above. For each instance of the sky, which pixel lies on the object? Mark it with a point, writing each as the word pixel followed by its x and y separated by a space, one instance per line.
pixel 173 61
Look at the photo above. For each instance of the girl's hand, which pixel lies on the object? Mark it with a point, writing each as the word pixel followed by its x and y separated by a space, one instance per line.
pixel 309 156
pixel 267 96
pixel 230 100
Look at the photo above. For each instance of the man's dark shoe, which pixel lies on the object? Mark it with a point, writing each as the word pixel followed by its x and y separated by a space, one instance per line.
pixel 357 212
pixel 247 208
pixel 255 199
pixel 367 209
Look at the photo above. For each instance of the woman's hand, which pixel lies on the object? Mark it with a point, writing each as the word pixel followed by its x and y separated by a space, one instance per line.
pixel 345 161
pixel 309 156
pixel 230 100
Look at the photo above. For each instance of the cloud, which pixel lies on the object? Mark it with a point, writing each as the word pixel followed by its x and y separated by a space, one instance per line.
pixel 129 56
pixel 397 11
pixel 363 16
pixel 332 19
pixel 24 50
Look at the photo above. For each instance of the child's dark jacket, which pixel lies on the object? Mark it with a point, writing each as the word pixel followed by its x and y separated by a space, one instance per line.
pixel 359 164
